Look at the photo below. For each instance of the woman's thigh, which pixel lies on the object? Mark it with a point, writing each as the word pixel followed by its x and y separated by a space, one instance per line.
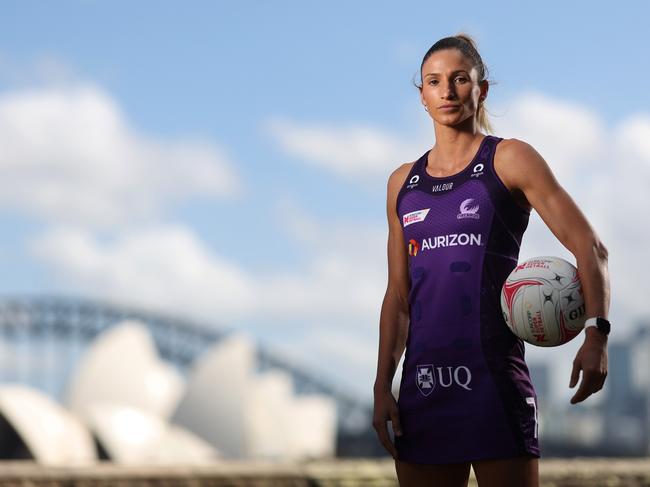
pixel 507 472
pixel 444 475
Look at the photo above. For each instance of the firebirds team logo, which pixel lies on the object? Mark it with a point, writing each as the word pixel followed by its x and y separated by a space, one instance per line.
pixel 468 209
pixel 415 216
pixel 425 379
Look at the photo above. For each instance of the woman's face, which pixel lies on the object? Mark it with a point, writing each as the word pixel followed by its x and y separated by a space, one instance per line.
pixel 448 78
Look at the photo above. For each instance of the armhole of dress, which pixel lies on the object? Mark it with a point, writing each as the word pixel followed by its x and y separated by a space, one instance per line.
pixel 501 184
pixel 402 188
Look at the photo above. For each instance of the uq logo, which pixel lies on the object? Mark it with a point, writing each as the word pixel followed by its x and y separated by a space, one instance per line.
pixel 427 377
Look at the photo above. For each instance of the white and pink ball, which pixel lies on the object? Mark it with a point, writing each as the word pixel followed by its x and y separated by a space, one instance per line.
pixel 542 301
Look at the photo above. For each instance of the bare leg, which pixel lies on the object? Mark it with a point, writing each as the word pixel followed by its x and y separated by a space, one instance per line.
pixel 507 472
pixel 442 475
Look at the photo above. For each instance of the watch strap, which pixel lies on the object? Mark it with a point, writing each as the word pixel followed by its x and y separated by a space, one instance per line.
pixel 602 324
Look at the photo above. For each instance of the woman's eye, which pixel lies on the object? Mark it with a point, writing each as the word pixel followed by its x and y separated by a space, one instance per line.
pixel 434 81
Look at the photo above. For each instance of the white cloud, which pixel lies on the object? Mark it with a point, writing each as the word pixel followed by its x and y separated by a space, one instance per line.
pixel 164 267
pixel 69 155
pixel 169 267
pixel 632 136
pixel 345 274
pixel 350 151
pixel 567 135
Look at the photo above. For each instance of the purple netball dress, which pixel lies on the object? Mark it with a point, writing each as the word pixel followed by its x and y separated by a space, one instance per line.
pixel 465 391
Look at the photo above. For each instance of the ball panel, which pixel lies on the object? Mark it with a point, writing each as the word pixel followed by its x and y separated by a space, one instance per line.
pixel 549 325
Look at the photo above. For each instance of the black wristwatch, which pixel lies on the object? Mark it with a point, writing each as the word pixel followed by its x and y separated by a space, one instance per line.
pixel 601 323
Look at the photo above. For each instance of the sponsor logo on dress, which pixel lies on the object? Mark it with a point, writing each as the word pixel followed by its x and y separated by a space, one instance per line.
pixel 427 376
pixel 468 209
pixel 477 171
pixel 413 182
pixel 415 216
pixel 426 381
pixel 450 240
pixel 413 248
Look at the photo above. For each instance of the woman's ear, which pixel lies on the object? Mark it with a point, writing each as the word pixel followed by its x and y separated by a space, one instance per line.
pixel 485 87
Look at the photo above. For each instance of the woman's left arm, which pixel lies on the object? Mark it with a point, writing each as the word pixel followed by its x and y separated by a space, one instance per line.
pixel 522 167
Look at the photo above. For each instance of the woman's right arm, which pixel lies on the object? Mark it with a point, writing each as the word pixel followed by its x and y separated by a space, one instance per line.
pixel 394 317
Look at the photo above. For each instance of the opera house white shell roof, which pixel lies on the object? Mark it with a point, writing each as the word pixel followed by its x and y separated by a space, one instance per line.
pixel 52 434
pixel 122 366
pixel 131 436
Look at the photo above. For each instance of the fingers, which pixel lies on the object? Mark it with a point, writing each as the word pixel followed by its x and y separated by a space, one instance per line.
pixel 575 374
pixel 386 409
pixel 380 423
pixel 584 391
pixel 592 381
pixel 382 431
pixel 394 417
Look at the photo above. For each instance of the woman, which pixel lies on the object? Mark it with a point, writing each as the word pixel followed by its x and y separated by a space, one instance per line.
pixel 456 217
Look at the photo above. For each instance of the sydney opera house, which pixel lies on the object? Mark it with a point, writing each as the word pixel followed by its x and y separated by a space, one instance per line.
pixel 126 402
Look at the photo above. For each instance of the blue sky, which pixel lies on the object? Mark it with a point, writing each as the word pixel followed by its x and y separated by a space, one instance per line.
pixel 230 159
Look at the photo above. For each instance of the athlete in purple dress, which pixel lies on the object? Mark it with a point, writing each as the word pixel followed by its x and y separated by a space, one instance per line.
pixel 457 216
pixel 464 374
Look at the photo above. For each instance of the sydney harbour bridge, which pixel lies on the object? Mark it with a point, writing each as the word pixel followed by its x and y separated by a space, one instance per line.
pixel 34 319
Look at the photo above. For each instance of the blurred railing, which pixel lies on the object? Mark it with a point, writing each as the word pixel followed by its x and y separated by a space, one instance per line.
pixel 348 473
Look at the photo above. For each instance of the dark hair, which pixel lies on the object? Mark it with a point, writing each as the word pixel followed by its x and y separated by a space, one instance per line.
pixel 467 46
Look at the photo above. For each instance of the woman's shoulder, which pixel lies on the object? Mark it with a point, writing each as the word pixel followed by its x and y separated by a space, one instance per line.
pixel 396 180
pixel 513 148
pixel 513 157
pixel 509 150
pixel 513 161
pixel 399 174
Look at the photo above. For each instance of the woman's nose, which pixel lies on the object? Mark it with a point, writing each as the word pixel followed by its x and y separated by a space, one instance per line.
pixel 448 91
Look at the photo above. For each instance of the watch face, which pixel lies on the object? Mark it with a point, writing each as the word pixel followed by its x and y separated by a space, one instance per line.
pixel 603 325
